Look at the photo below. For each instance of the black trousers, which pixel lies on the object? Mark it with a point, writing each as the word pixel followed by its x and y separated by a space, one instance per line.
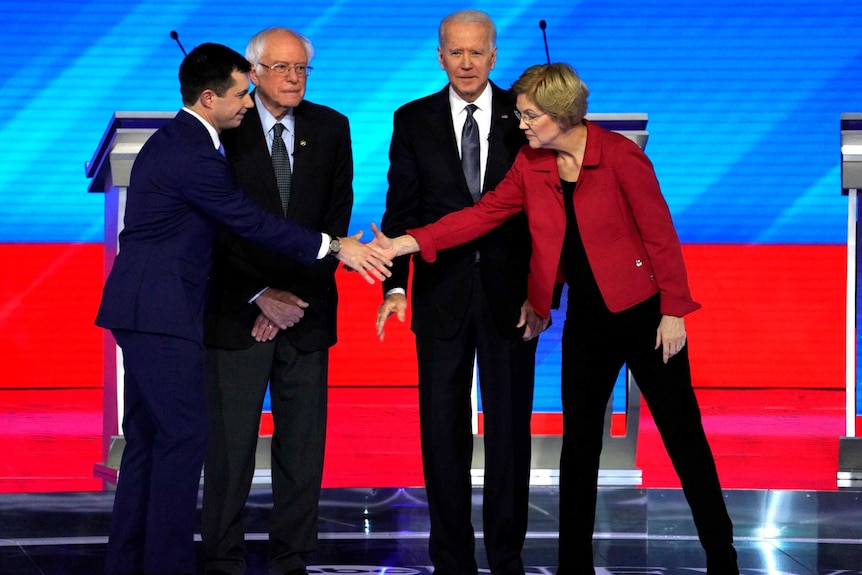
pixel 595 347
pixel 236 386
pixel 506 375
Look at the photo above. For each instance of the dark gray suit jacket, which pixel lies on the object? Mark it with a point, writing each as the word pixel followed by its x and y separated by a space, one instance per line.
pixel 321 199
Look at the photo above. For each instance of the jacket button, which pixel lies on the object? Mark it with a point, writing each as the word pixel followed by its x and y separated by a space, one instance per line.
pixel 639 263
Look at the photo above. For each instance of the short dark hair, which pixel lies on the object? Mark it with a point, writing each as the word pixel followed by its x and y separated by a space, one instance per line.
pixel 209 67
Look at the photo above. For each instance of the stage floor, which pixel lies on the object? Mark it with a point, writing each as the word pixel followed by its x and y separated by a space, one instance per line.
pixel 369 531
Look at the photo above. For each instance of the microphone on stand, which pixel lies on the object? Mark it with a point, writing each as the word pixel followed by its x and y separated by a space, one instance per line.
pixel 176 37
pixel 543 25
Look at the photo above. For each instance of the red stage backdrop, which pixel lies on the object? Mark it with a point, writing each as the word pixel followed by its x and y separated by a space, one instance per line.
pixel 771 331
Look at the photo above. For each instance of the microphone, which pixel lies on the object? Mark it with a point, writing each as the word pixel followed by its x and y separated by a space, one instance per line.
pixel 543 25
pixel 176 37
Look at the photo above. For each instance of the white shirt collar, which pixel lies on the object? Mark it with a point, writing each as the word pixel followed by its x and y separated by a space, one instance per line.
pixel 212 131
pixel 267 120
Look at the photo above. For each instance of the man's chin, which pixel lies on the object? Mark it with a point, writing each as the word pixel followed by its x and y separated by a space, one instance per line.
pixel 471 89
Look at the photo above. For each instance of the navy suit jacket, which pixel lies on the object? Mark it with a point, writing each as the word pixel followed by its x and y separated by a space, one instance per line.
pixel 181 190
pixel 426 182
pixel 321 198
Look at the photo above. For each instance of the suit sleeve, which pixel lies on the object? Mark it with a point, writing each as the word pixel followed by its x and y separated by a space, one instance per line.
pixel 209 190
pixel 640 186
pixel 402 198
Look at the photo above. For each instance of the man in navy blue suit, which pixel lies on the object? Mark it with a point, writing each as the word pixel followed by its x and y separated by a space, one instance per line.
pixel 181 191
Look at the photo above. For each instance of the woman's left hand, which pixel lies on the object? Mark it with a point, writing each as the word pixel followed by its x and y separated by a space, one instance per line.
pixel 670 336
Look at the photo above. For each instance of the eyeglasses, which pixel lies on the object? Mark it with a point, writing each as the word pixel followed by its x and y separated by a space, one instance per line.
pixel 528 119
pixel 284 69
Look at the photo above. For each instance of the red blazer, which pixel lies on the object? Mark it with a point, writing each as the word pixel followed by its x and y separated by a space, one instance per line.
pixel 624 221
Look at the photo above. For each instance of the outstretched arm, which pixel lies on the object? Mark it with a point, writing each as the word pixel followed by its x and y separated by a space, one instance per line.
pixel 392 247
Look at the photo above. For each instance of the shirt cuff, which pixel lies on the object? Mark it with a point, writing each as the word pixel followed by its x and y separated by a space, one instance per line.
pixel 324 245
pixel 257 295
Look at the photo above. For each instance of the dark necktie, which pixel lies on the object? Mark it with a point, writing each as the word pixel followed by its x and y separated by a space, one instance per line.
pixel 281 165
pixel 470 153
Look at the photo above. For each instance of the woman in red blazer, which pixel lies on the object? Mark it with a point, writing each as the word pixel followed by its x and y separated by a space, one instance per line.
pixel 599 223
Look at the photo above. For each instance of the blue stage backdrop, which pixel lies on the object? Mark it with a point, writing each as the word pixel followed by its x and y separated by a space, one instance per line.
pixel 743 98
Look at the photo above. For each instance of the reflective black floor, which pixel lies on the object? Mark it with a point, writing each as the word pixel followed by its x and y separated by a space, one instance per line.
pixel 368 531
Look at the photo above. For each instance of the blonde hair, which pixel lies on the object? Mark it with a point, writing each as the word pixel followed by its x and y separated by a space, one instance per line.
pixel 557 90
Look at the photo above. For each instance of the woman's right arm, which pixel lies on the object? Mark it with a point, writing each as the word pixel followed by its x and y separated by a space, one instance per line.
pixel 456 228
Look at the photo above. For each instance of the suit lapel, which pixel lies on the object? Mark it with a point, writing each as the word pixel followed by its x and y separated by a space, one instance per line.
pixel 442 132
pixel 502 123
pixel 544 168
pixel 303 146
pixel 251 145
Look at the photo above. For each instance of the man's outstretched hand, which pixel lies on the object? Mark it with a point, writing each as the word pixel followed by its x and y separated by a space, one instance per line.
pixel 369 260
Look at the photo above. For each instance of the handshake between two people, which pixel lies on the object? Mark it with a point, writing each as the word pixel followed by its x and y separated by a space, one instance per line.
pixel 396 304
pixel 373 259
pixel 281 309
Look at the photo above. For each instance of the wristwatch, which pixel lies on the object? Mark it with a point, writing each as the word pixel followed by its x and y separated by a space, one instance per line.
pixel 334 246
